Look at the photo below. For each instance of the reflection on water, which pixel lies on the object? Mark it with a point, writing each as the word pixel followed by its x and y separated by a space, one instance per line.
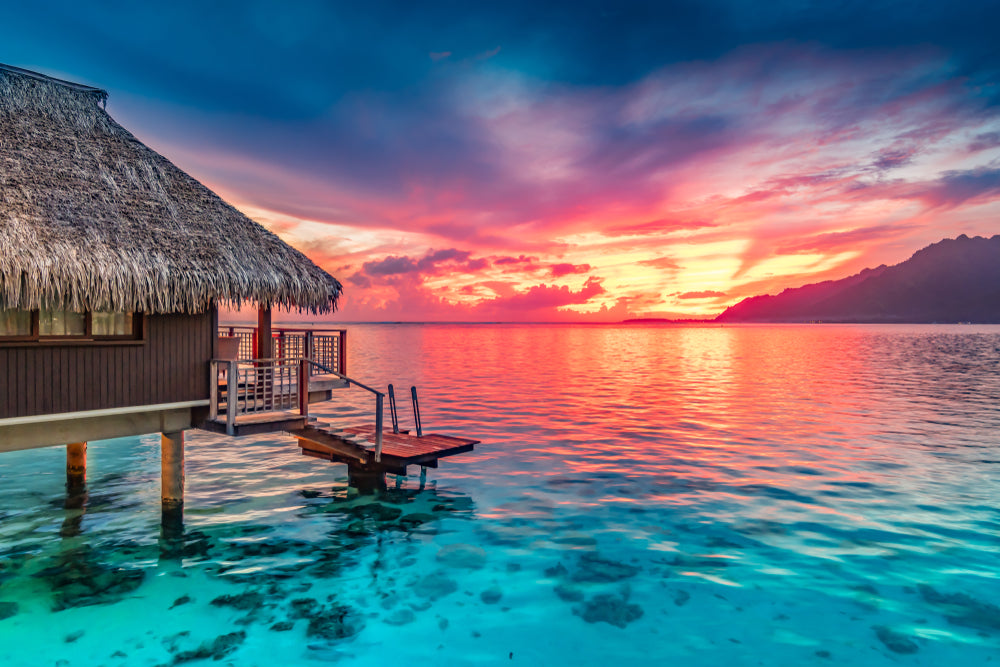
pixel 757 495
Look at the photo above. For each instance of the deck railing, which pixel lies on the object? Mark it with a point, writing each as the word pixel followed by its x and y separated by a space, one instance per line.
pixel 249 386
pixel 327 347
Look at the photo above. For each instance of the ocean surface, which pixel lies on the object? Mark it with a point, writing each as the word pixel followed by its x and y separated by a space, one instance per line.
pixel 746 495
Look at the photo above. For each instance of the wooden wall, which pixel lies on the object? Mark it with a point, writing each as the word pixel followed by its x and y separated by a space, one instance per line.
pixel 170 366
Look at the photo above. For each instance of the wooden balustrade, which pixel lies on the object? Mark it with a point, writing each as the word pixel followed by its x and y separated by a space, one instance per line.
pixel 327 347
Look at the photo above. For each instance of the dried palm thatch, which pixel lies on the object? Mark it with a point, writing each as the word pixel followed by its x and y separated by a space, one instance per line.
pixel 91 219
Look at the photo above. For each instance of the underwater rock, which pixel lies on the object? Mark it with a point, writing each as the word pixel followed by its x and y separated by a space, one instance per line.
pixel 309 493
pixel 375 511
pixel 575 539
pixel 435 585
pixel 188 547
pixel 681 598
pixel 491 595
pixel 717 542
pixel 401 617
pixel 964 610
pixel 282 626
pixel 303 607
pixel 462 504
pixel 244 601
pixel 78 579
pixel 73 636
pixel 170 642
pixel 338 622
pixel 696 562
pixel 466 556
pixel 184 599
pixel 568 593
pixel 416 519
pixel 8 609
pixel 262 548
pixel 558 570
pixel 356 529
pixel 896 642
pixel 397 496
pixel 611 609
pixel 593 569
pixel 217 649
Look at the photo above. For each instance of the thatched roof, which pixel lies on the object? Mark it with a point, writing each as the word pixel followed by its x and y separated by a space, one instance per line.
pixel 91 219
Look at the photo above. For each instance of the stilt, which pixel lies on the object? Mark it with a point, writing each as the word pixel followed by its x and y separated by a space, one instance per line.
pixel 171 495
pixel 172 469
pixel 76 465
pixel 172 531
pixel 423 477
pixel 366 481
pixel 76 489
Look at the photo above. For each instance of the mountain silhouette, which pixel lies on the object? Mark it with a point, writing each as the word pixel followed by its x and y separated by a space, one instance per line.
pixel 954 280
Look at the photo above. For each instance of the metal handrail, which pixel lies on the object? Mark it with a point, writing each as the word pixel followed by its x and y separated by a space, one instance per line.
pixel 416 412
pixel 379 402
pixel 302 381
pixel 392 410
pixel 344 377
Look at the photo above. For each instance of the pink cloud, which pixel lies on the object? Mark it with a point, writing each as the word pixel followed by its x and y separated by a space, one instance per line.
pixel 704 294
pixel 566 269
pixel 500 175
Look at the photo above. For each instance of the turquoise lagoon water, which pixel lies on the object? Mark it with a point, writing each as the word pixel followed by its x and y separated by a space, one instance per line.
pixel 802 495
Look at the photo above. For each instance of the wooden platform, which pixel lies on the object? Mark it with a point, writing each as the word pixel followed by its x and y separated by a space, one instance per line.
pixel 258 422
pixel 355 446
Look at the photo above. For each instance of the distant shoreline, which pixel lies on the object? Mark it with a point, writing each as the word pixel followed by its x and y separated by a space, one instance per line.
pixel 629 322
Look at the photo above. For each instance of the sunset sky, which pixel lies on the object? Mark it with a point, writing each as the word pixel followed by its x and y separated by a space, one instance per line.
pixel 577 161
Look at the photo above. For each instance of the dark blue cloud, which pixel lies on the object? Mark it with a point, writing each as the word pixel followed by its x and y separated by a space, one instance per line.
pixel 957 187
pixel 295 59
pixel 363 94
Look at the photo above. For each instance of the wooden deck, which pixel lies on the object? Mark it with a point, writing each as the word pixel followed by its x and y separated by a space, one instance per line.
pixel 355 446
pixel 269 395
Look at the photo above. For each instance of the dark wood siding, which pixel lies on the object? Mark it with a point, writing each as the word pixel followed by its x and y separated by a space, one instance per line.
pixel 170 366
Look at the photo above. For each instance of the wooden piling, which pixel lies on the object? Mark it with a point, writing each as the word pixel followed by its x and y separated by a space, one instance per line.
pixel 172 468
pixel 366 481
pixel 76 464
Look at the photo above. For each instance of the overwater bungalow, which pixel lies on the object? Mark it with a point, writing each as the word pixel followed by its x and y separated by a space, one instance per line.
pixel 114 264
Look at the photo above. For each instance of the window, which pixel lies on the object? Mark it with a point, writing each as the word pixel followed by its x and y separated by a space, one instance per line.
pixel 61 323
pixel 48 325
pixel 111 324
pixel 15 323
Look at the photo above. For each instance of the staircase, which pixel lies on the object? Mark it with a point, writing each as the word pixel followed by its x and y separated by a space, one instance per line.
pixel 267 395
